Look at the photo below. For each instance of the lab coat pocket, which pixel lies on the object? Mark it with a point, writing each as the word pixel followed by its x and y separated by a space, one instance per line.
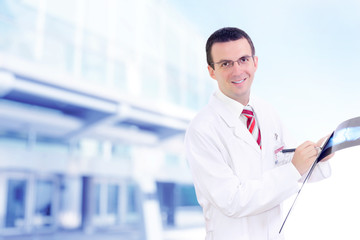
pixel 279 157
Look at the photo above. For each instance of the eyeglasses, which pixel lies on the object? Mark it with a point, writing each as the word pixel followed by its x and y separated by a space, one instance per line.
pixel 228 64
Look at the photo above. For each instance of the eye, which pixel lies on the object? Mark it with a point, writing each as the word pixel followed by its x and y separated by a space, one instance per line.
pixel 226 64
pixel 244 59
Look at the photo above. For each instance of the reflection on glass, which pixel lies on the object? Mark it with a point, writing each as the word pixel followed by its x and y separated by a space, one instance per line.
pixel 132 208
pixel 113 199
pixel 150 78
pixel 70 202
pixel 187 195
pixel 192 96
pixel 119 76
pixel 106 204
pixel 122 151
pixel 97 195
pixel 174 86
pixel 16 197
pixel 44 203
pixel 17 28
pixel 43 197
pixel 94 67
pixel 58 49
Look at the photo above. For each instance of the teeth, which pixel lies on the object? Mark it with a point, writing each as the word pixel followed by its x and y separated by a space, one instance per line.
pixel 239 81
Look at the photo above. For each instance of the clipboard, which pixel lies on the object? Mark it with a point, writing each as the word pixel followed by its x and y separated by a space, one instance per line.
pixel 346 135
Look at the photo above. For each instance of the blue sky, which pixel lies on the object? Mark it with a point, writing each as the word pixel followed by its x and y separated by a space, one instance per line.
pixel 308 55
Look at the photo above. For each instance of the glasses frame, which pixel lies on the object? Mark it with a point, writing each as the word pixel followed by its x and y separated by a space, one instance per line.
pixel 231 62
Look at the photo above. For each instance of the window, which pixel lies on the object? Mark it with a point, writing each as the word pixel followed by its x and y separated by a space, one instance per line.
pixel 192 92
pixel 113 199
pixel 16 203
pixel 132 205
pixel 70 202
pixel 59 49
pixel 97 195
pixel 150 77
pixel 120 76
pixel 122 151
pixel 44 198
pixel 173 84
pixel 94 66
pixel 18 28
pixel 106 196
pixel 187 195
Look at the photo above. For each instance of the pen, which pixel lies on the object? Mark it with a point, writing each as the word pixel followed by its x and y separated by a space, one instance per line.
pixel 290 150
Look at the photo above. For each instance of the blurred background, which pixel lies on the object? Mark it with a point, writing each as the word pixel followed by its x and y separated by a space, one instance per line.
pixel 95 97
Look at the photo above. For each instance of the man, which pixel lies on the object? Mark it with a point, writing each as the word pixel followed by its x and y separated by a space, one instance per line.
pixel 234 145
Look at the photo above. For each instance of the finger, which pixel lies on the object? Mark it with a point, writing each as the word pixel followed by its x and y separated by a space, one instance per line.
pixel 305 145
pixel 327 157
pixel 315 152
pixel 318 149
pixel 310 149
pixel 322 140
pixel 311 152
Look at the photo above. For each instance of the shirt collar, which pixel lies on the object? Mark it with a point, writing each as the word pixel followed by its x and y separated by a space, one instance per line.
pixel 234 106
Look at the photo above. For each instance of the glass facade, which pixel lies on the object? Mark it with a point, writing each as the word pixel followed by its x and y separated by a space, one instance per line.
pixel 67 37
pixel 75 174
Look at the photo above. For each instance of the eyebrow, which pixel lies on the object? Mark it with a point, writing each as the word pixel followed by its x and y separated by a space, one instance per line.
pixel 226 60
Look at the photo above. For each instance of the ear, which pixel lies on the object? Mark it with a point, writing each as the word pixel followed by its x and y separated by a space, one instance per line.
pixel 211 72
pixel 256 62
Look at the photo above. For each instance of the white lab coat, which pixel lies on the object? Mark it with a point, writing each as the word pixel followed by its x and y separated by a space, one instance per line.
pixel 239 186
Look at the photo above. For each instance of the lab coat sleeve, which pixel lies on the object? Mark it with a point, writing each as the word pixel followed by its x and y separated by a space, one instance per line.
pixel 216 183
pixel 321 171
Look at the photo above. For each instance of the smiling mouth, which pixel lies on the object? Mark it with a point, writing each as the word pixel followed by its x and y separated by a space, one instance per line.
pixel 240 81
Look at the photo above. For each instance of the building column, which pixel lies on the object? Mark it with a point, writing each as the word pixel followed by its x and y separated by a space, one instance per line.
pixel 146 162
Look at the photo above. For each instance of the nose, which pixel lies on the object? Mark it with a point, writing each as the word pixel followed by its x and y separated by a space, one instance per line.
pixel 238 66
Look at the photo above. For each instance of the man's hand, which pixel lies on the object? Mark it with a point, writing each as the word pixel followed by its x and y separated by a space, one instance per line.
pixel 304 156
pixel 320 143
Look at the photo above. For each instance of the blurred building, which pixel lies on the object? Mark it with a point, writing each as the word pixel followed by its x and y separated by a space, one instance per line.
pixel 95 96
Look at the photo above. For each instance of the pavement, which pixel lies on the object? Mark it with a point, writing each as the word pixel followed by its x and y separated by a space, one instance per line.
pixel 189 233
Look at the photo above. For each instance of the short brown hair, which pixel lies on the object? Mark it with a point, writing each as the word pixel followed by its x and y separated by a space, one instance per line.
pixel 226 34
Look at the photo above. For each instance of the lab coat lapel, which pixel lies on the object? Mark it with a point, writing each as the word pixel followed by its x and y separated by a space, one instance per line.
pixel 239 129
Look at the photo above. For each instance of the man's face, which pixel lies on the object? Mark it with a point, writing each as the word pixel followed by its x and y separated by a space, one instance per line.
pixel 235 82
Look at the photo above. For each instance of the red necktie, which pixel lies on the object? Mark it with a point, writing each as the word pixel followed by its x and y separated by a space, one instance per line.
pixel 252 124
